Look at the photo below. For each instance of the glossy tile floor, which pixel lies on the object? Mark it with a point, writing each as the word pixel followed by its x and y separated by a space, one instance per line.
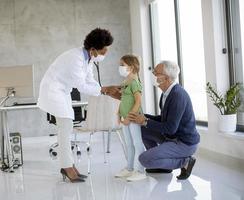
pixel 39 178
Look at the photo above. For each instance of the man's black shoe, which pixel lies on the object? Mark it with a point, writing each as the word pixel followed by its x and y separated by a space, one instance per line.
pixel 157 170
pixel 185 173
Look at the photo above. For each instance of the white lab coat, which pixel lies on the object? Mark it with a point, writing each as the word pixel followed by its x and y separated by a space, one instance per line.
pixel 69 70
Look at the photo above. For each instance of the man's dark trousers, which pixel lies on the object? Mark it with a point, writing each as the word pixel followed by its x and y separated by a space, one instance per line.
pixel 164 153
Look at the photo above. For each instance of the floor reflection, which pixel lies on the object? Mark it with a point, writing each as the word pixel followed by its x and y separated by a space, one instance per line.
pixel 39 179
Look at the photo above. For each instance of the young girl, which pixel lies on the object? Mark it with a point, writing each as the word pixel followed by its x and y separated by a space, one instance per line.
pixel 131 102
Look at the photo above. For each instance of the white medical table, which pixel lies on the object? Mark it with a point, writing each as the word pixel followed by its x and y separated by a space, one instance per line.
pixel 4 130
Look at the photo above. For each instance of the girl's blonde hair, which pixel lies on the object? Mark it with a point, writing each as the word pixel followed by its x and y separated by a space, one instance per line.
pixel 133 62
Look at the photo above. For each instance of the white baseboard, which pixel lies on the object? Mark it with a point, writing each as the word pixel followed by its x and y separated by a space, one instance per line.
pixel 228 161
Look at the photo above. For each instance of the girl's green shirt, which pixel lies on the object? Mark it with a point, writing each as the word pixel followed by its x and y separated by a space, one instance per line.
pixel 127 97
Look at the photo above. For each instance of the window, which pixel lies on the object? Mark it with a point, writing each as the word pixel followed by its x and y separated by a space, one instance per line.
pixel 177 35
pixel 163 30
pixel 163 34
pixel 193 64
pixel 235 35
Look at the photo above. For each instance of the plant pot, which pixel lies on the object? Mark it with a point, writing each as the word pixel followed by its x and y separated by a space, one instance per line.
pixel 227 123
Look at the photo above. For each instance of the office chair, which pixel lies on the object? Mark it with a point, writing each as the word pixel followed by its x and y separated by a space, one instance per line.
pixel 79 116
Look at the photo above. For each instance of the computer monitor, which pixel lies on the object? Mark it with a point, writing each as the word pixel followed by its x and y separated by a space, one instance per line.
pixel 18 78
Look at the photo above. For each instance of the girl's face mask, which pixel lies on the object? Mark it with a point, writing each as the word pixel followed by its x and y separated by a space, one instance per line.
pixel 123 71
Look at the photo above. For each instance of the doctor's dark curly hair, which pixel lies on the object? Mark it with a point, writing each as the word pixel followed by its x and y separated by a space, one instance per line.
pixel 98 39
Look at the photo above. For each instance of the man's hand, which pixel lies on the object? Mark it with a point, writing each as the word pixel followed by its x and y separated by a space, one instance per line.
pixel 112 91
pixel 126 121
pixel 137 118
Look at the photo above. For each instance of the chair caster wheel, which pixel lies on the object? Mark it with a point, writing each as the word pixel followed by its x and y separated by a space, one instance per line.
pixel 78 153
pixel 88 149
pixel 72 148
pixel 54 153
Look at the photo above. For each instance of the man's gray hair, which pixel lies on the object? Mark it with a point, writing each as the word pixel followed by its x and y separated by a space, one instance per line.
pixel 171 69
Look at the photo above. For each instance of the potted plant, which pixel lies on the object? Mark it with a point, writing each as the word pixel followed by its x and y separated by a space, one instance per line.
pixel 227 105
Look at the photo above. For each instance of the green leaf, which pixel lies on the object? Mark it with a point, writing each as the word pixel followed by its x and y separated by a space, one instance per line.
pixel 227 104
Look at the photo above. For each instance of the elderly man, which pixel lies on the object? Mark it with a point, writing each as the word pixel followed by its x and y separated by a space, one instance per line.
pixel 170 138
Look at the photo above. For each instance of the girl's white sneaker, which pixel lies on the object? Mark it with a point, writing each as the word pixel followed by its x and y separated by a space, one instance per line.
pixel 136 176
pixel 123 173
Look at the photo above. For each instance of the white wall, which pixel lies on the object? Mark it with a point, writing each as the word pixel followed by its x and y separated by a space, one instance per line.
pixel 141 46
pixel 36 32
pixel 216 69
pixel 217 72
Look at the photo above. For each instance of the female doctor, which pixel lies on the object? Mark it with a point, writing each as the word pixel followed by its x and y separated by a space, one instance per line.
pixel 72 69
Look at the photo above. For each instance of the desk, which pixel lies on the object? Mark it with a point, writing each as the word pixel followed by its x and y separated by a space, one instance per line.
pixel 4 131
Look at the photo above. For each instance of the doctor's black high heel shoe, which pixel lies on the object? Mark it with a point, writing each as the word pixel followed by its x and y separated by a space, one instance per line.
pixel 73 177
pixel 78 173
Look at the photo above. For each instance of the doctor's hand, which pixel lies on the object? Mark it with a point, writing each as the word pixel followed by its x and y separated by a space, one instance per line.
pixel 112 91
pixel 137 118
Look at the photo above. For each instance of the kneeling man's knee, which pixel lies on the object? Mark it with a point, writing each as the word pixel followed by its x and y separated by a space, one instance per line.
pixel 144 160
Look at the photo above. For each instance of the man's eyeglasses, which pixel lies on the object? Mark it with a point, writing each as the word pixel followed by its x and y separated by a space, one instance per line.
pixel 158 74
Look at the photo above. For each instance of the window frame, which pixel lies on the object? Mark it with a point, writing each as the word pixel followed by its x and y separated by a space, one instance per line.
pixel 179 53
pixel 234 61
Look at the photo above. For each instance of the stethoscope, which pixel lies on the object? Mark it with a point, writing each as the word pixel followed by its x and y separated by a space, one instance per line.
pixel 98 72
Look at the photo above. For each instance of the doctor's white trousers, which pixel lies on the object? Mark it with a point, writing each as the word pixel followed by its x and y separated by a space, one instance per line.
pixel 65 128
